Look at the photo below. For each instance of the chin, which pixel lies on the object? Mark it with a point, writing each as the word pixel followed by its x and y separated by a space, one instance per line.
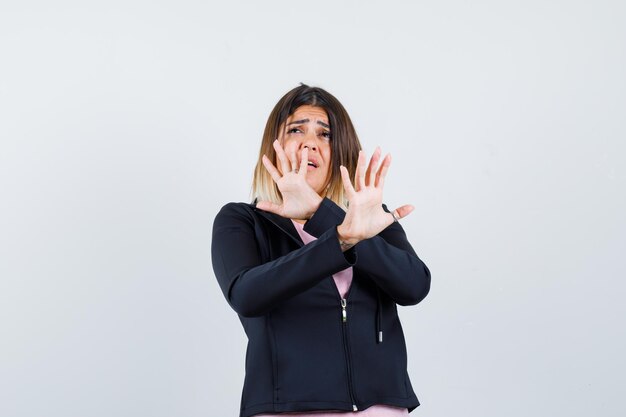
pixel 319 188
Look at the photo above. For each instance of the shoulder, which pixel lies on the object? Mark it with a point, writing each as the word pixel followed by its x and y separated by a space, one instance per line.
pixel 235 212
pixel 234 207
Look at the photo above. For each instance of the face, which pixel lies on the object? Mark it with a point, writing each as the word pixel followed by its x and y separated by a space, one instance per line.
pixel 308 127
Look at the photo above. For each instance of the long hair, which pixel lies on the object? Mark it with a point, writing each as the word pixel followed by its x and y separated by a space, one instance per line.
pixel 344 141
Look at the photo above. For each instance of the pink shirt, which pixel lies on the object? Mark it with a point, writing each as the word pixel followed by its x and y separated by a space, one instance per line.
pixel 343 279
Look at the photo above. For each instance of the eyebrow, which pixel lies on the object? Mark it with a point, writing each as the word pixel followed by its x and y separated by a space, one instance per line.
pixel 299 122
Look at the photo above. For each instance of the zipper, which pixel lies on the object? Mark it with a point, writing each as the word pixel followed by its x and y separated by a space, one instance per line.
pixel 344 323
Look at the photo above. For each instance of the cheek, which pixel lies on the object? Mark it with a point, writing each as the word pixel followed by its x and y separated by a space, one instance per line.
pixel 327 154
pixel 329 161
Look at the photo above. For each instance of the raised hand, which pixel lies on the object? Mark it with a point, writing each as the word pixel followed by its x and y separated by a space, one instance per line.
pixel 365 217
pixel 300 200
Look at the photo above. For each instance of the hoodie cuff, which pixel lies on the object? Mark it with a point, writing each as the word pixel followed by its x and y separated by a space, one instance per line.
pixel 350 255
pixel 328 215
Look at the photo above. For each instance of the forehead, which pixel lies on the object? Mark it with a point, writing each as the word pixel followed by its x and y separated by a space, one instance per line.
pixel 309 112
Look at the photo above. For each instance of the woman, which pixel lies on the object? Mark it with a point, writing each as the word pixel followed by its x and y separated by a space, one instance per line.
pixel 315 268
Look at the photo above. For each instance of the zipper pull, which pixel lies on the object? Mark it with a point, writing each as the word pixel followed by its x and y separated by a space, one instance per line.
pixel 344 315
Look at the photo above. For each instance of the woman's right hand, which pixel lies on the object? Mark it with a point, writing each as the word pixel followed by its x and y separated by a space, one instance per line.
pixel 300 200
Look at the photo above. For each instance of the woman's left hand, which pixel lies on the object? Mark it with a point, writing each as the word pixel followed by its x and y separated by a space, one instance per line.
pixel 365 217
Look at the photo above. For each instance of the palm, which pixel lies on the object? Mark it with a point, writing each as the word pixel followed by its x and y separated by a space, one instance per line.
pixel 366 214
pixel 297 196
pixel 299 199
pixel 365 217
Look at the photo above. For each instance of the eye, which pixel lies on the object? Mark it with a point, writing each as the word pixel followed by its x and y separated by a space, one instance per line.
pixel 326 135
pixel 294 130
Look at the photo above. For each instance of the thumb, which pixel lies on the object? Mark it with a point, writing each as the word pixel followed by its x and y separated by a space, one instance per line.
pixel 269 206
pixel 403 211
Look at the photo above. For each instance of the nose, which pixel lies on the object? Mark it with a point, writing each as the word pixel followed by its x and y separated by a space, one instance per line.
pixel 309 141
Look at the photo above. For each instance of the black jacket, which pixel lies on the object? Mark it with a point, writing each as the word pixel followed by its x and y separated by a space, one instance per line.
pixel 302 354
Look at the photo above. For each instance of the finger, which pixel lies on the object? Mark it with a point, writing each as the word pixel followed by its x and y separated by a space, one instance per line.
pixel 345 179
pixel 282 157
pixel 271 168
pixel 291 150
pixel 359 175
pixel 269 206
pixel 403 211
pixel 370 174
pixel 382 171
pixel 304 162
pixel 293 159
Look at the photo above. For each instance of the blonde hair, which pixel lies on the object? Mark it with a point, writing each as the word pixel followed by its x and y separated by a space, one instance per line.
pixel 345 145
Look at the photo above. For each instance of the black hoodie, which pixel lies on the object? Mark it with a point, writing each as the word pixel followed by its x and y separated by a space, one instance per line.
pixel 309 350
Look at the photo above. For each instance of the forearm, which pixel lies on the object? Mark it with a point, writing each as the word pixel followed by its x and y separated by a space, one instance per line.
pixel 257 290
pixel 398 272
pixel 252 286
pixel 387 257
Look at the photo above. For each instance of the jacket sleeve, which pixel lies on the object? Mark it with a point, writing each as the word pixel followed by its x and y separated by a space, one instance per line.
pixel 252 287
pixel 387 258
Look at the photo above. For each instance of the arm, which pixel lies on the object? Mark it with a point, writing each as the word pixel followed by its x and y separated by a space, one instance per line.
pixel 392 263
pixel 252 287
pixel 387 257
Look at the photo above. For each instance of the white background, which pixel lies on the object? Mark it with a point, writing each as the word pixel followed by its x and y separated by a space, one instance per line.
pixel 126 125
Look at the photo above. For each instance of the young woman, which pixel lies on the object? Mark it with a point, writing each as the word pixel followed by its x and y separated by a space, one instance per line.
pixel 315 267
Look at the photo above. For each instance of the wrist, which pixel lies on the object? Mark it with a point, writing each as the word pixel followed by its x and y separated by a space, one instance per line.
pixel 316 201
pixel 345 239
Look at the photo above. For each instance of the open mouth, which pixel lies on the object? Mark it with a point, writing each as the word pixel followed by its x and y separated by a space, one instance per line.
pixel 312 163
